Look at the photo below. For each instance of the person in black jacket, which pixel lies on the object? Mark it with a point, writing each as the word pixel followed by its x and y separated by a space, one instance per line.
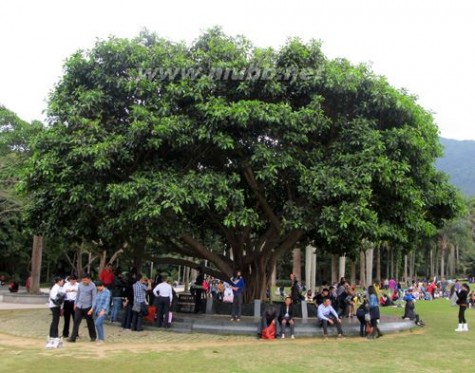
pixel 286 317
pixel 462 302
pixel 198 288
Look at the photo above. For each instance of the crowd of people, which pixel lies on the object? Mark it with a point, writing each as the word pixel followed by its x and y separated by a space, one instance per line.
pixel 95 301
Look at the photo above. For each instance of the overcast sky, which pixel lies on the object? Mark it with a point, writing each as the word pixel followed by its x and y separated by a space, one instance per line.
pixel 426 46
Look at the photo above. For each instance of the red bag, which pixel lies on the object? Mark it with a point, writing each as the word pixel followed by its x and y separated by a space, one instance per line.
pixel 151 314
pixel 269 332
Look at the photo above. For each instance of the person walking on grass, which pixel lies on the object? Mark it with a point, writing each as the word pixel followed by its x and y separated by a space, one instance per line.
pixel 101 309
pixel 83 306
pixel 374 312
pixel 462 302
pixel 237 284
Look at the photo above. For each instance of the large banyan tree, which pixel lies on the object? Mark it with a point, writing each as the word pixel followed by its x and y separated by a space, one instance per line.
pixel 224 153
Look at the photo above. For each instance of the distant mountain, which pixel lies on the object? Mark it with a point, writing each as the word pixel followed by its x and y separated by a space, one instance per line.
pixel 459 163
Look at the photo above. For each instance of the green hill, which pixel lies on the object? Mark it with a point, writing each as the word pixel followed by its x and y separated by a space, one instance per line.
pixel 459 163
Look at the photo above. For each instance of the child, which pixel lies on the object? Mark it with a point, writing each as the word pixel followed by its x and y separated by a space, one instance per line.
pixel 361 313
pixel 462 302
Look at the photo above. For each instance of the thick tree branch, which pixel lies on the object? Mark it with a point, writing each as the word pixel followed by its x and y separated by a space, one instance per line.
pixel 188 263
pixel 252 182
pixel 207 254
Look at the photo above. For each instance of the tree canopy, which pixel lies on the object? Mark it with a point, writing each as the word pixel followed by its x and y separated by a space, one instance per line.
pixel 225 152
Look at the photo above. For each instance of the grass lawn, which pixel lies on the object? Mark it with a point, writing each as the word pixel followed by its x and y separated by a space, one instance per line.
pixel 435 348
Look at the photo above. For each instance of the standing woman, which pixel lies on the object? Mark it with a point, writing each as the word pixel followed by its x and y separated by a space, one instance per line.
pixel 374 312
pixel 237 284
pixel 56 298
pixel 462 302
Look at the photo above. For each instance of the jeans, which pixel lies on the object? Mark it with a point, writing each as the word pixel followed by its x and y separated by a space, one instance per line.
pixel 53 329
pixel 290 323
pixel 68 314
pixel 116 306
pixel 237 306
pixel 79 314
pixel 100 327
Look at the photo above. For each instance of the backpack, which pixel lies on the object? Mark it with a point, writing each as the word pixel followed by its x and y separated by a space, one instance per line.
pixel 59 300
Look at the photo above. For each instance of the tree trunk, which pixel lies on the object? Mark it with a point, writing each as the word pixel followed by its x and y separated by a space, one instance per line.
pixel 405 269
pixel 273 279
pixel 369 267
pixel 334 269
pixel 341 266
pixel 378 264
pixel 79 268
pixel 362 269
pixel 310 267
pixel 442 264
pixel 451 261
pixel 36 256
pixel 353 272
pixel 432 272
pixel 297 263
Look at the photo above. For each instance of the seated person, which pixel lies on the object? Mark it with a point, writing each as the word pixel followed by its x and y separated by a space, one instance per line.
pixel 327 315
pixel 13 288
pixel 320 296
pixel 410 308
pixel 385 301
pixel 395 296
pixel 2 280
pixel 286 317
pixel 267 328
pixel 471 300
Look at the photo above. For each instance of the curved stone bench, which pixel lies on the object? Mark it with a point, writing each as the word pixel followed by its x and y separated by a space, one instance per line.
pixel 25 298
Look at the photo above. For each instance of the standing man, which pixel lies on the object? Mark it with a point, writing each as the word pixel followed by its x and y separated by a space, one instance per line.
pixel 198 287
pixel 141 286
pixel 237 284
pixel 101 309
pixel 164 297
pixel 70 288
pixel 83 306
pixel 327 315
pixel 107 276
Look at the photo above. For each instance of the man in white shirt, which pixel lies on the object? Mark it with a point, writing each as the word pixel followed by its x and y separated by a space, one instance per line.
pixel 71 290
pixel 164 297
pixel 327 315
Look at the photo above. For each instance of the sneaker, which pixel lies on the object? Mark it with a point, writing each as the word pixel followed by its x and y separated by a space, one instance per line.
pixel 100 342
pixel 238 320
pixel 49 344
pixel 283 336
pixel 72 340
pixel 93 339
pixel 292 336
pixel 340 335
pixel 232 319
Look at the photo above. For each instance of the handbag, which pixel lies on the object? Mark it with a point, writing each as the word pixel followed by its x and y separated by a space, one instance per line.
pixel 136 307
pixel 367 317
